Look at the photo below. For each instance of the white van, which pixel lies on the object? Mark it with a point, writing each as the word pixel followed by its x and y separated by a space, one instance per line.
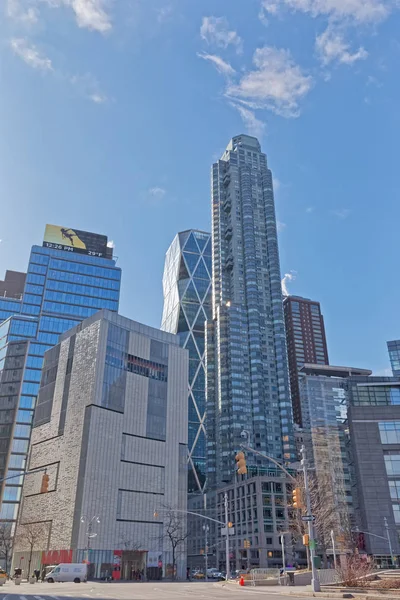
pixel 75 572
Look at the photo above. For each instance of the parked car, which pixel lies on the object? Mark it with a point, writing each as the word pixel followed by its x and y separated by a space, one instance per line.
pixel 75 572
pixel 197 575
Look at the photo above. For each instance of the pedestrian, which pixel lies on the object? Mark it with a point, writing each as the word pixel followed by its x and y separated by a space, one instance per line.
pixel 36 572
pixel 43 573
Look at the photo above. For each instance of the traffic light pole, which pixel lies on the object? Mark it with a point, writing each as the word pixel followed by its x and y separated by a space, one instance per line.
pixel 227 536
pixel 314 581
pixel 316 587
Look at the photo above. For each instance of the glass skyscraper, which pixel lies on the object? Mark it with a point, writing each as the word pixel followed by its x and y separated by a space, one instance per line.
pixel 246 359
pixel 187 305
pixel 70 277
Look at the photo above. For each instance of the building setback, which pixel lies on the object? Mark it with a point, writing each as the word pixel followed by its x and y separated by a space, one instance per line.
pixel 13 285
pixel 69 278
pixel 111 430
pixel 187 305
pixel 246 361
pixel 306 342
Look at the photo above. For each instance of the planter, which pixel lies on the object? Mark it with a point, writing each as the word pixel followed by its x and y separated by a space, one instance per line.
pixel 17 580
pixel 32 579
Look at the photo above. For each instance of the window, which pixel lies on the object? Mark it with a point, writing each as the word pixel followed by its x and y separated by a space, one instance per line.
pixel 394 487
pixel 390 432
pixel 392 464
pixel 396 513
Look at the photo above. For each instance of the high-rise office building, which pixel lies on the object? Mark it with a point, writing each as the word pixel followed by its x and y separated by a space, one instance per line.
pixel 374 424
pixel 246 360
pixel 70 277
pixel 394 355
pixel 111 430
pixel 306 342
pixel 187 305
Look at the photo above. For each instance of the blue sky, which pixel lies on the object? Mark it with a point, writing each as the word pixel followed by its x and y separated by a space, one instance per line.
pixel 112 112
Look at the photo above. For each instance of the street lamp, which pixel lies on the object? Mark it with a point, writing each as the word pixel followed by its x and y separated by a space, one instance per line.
pixel 89 532
pixel 381 537
pixel 206 529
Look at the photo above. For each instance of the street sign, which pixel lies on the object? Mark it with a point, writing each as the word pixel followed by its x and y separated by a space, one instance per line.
pixel 308 518
pixel 231 531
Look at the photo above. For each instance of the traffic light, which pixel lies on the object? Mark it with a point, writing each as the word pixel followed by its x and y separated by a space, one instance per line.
pixel 155 514
pixel 230 524
pixel 306 539
pixel 296 497
pixel 246 543
pixel 45 484
pixel 241 463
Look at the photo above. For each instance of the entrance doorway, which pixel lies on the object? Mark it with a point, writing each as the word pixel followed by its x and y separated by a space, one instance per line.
pixel 133 565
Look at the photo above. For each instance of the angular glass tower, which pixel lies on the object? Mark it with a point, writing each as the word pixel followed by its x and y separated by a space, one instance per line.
pixel 187 305
pixel 246 359
pixel 70 277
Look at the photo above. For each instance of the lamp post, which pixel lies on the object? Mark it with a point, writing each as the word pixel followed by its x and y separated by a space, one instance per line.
pixel 89 532
pixel 206 529
pixel 333 548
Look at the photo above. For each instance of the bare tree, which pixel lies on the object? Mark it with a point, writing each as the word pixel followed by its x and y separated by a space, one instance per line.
pixel 6 545
pixel 30 535
pixel 175 533
pixel 329 507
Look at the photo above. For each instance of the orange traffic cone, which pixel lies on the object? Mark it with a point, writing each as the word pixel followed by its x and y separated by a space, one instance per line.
pixel 241 580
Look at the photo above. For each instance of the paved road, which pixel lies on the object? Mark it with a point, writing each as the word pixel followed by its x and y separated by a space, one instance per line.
pixel 136 591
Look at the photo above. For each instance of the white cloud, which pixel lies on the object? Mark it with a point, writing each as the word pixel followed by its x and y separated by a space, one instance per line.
pixel 277 83
pixel 89 14
pixel 280 226
pixel 276 183
pixel 215 31
pixel 30 54
pixel 221 66
pixel 291 276
pixel 88 86
pixel 26 15
pixel 157 193
pixel 383 372
pixel 111 244
pixel 341 213
pixel 310 209
pixel 331 46
pixel 253 125
pixel 358 10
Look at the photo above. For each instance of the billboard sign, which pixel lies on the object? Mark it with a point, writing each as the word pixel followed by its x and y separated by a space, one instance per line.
pixel 75 240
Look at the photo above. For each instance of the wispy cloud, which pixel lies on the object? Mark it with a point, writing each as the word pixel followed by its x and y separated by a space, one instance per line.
pixel 87 85
pixel 280 226
pixel 25 15
pixel 215 31
pixel 253 125
pixel 310 209
pixel 164 13
pixel 341 213
pixel 89 14
pixel 30 54
pixel 357 10
pixel 385 372
pixel 157 193
pixel 291 276
pixel 219 63
pixel 277 83
pixel 331 46
pixel 276 183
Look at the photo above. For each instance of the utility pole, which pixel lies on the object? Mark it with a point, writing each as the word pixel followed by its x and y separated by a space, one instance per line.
pixel 333 548
pixel 388 539
pixel 316 587
pixel 206 529
pixel 227 536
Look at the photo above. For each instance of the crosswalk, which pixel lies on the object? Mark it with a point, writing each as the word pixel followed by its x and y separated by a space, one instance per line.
pixel 43 597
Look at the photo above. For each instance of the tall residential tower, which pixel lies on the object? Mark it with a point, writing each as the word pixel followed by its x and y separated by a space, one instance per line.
pixel 246 360
pixel 306 342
